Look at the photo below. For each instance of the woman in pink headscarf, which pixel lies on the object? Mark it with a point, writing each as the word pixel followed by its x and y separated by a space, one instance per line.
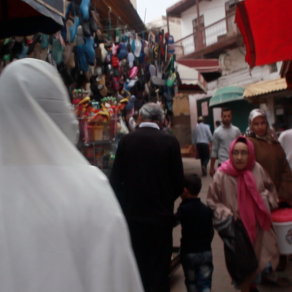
pixel 242 189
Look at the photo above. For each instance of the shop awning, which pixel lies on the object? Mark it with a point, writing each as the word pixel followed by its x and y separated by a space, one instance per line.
pixel 27 17
pixel 227 94
pixel 191 80
pixel 265 87
pixel 264 26
pixel 202 65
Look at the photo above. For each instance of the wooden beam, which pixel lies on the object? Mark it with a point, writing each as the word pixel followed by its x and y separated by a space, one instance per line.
pixel 228 42
pixel 199 33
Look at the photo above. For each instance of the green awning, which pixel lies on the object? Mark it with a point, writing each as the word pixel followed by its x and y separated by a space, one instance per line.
pixel 227 94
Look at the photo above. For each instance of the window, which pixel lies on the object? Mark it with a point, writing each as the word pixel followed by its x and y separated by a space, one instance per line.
pixel 230 9
pixel 230 5
pixel 273 68
pixel 195 23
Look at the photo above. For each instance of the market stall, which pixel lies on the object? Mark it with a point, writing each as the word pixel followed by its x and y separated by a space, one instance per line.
pixel 109 69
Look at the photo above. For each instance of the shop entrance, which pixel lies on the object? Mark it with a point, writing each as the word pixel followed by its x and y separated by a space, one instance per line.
pixel 283 113
pixel 206 112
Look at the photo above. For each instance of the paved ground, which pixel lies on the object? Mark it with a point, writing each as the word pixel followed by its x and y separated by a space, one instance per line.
pixel 221 278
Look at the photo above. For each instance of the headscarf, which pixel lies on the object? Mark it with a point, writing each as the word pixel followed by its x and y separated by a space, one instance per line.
pixel 270 136
pixel 252 208
pixel 61 227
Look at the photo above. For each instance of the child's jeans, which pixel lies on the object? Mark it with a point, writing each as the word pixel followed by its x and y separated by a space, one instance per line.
pixel 198 269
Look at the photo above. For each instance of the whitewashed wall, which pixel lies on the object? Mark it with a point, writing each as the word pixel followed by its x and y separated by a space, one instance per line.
pixel 212 11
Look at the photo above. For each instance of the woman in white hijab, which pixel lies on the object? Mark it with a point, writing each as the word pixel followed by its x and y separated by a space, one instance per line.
pixel 61 228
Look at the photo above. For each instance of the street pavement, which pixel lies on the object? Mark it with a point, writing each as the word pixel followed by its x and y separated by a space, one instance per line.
pixel 221 279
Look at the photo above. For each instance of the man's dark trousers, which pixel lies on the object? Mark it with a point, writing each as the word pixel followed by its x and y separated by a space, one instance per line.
pixel 152 247
pixel 204 153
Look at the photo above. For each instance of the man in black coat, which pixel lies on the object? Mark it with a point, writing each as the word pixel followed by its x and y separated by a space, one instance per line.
pixel 147 177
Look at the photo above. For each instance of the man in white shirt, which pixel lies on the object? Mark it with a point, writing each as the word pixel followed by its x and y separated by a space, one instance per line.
pixel 201 138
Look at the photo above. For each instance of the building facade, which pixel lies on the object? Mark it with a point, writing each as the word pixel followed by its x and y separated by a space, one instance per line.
pixel 212 44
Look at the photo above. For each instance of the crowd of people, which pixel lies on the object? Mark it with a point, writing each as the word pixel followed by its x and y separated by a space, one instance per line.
pixel 65 227
pixel 253 177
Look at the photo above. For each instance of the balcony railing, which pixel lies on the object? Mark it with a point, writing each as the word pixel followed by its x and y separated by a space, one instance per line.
pixel 214 33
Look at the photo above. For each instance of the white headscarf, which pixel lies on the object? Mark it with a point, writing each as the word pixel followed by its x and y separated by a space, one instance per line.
pixel 61 228
pixel 269 136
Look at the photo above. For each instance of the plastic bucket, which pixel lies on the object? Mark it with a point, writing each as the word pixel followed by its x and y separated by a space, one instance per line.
pixel 284 235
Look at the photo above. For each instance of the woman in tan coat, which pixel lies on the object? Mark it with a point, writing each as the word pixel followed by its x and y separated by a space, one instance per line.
pixel 242 190
pixel 270 154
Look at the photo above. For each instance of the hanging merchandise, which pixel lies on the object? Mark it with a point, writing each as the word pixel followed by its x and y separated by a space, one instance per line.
pixel 131 59
pixel 170 44
pixel 133 72
pixel 171 75
pixel 104 52
pixel 122 51
pixel 137 47
pixel 84 9
pixel 57 51
pixel 110 72
pixel 73 29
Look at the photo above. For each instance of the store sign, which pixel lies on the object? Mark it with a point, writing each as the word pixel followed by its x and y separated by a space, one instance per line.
pixel 58 6
pixel 205 110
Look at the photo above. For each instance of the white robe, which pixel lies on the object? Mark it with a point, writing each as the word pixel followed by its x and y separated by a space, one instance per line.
pixel 285 140
pixel 61 228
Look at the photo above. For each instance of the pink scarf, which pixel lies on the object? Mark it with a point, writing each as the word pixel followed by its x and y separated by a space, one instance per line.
pixel 252 208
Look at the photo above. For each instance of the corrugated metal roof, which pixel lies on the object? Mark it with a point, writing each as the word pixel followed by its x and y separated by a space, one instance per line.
pixel 265 87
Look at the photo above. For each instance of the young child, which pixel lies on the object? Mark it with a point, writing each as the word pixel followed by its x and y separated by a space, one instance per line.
pixel 197 234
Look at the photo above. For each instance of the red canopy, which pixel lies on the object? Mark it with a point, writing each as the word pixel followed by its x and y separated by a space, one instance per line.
pixel 266 29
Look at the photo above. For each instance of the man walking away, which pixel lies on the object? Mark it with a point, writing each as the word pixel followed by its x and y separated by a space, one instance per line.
pixel 147 177
pixel 222 138
pixel 201 138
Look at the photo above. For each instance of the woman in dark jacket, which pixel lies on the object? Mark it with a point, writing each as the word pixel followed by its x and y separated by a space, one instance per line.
pixel 270 154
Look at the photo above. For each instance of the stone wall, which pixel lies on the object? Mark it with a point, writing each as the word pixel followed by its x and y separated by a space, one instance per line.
pixel 182 129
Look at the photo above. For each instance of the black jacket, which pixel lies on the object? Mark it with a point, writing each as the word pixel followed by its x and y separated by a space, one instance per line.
pixel 147 176
pixel 197 226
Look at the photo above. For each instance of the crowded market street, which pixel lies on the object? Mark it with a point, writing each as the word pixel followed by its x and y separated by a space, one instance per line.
pixel 221 279
pixel 146 146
